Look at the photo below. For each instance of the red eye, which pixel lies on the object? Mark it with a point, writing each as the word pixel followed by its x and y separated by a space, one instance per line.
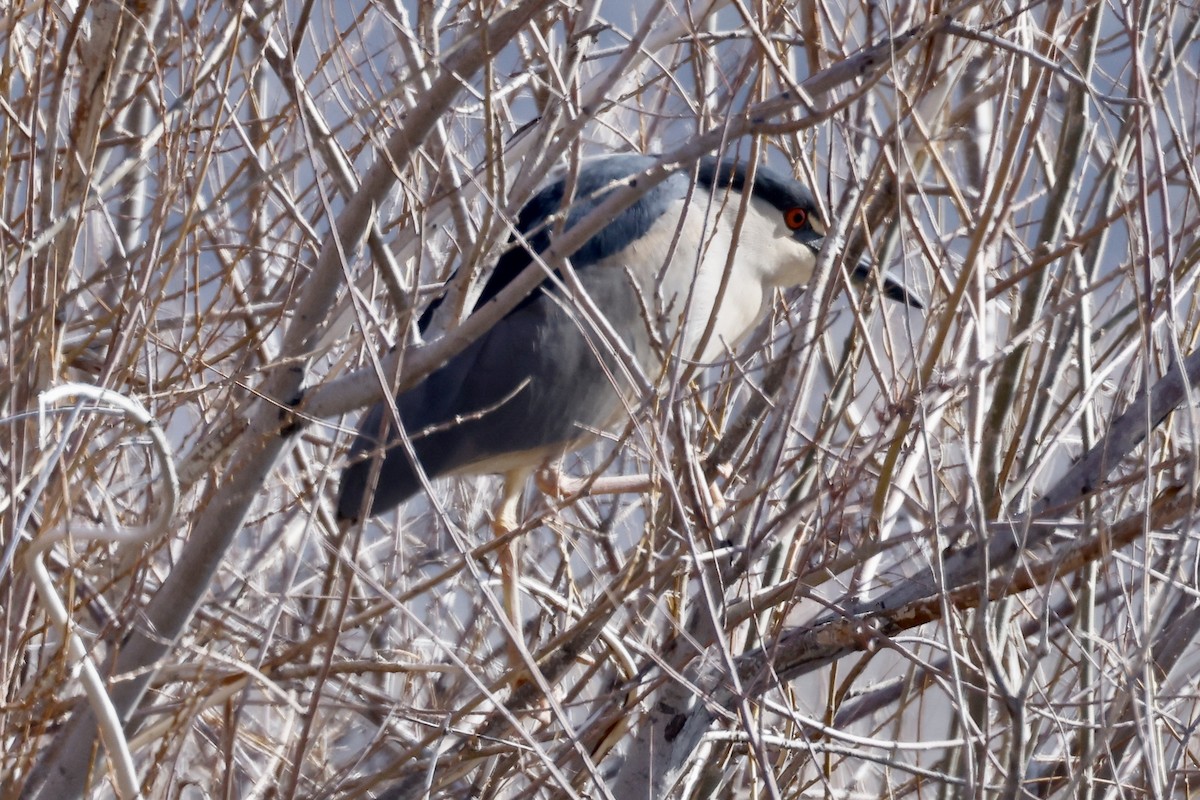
pixel 795 218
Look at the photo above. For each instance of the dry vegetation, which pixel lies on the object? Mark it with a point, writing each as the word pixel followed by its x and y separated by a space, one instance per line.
pixel 886 553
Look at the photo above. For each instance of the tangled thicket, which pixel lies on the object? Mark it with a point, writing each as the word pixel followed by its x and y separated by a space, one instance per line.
pixel 882 553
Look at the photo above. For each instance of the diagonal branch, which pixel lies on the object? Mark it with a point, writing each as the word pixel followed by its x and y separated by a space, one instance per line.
pixel 63 772
pixel 919 601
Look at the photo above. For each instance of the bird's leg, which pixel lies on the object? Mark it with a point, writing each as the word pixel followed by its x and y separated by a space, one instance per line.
pixel 504 522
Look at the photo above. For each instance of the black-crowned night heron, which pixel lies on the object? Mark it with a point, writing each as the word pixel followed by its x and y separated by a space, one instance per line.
pixel 541 382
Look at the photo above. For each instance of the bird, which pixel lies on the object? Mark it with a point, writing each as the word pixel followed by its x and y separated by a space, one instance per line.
pixel 541 383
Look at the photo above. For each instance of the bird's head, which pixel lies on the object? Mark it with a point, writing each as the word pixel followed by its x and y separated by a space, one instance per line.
pixel 788 206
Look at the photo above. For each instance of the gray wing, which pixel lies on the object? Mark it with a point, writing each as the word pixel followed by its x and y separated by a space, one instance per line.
pixel 533 384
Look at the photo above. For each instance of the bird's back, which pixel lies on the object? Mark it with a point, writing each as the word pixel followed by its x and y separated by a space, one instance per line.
pixel 537 382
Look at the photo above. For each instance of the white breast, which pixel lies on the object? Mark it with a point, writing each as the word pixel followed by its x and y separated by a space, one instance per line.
pixel 681 261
